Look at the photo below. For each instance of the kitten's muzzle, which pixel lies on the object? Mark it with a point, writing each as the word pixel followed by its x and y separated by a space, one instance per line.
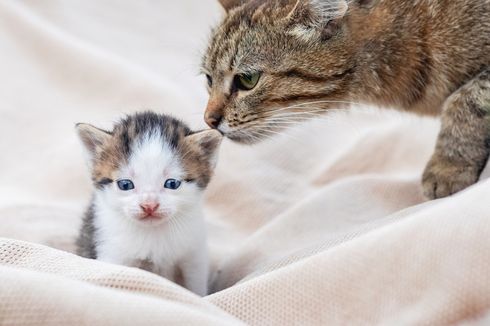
pixel 149 208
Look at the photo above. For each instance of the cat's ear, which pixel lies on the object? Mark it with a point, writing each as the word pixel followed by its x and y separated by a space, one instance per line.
pixel 317 19
pixel 208 142
pixel 92 137
pixel 322 18
pixel 230 4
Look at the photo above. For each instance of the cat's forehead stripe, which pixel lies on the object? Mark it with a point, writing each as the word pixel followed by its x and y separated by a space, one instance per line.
pixel 225 50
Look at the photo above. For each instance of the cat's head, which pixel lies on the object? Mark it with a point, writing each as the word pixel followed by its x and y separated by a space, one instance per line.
pixel 273 62
pixel 150 168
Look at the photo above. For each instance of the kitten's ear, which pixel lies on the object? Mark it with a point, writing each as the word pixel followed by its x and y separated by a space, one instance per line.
pixel 230 4
pixel 208 142
pixel 91 137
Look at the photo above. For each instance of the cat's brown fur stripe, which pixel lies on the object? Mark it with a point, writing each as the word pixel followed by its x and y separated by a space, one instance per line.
pixel 411 55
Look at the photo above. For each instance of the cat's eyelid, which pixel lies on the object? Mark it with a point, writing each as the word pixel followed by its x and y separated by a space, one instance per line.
pixel 249 72
pixel 203 71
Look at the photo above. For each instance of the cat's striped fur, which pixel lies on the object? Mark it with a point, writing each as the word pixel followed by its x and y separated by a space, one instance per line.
pixel 423 56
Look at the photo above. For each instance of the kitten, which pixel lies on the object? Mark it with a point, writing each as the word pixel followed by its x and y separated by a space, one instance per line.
pixel 272 62
pixel 149 175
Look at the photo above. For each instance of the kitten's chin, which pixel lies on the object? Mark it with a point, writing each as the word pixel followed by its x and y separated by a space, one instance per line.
pixel 152 220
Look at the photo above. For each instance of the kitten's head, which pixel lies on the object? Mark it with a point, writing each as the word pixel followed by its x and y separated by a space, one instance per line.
pixel 151 167
pixel 268 58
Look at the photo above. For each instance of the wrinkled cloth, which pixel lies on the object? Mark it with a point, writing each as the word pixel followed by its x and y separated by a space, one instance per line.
pixel 324 224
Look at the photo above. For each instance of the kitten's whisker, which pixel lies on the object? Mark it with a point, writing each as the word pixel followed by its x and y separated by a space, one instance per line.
pixel 185 201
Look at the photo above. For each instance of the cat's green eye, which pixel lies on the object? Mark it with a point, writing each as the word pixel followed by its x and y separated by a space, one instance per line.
pixel 247 82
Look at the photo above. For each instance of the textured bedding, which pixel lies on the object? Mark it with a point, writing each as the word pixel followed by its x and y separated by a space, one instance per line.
pixel 325 224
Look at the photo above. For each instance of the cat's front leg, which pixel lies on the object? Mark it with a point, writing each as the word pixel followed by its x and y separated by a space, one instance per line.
pixel 195 272
pixel 463 145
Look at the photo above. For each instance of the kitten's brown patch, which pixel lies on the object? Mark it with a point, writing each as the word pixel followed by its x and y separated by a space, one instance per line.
pixel 199 155
pixel 109 150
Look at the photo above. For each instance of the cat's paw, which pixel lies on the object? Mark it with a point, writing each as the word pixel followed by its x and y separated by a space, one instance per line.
pixel 443 177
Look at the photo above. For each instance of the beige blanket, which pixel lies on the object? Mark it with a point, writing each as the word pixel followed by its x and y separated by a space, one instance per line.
pixel 324 225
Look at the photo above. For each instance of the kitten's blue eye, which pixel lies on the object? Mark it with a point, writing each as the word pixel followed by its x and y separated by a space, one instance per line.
pixel 125 185
pixel 172 184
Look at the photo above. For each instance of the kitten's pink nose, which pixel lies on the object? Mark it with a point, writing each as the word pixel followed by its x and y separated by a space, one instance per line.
pixel 149 208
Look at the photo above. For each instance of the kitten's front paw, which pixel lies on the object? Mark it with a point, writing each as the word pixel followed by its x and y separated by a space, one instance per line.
pixel 443 177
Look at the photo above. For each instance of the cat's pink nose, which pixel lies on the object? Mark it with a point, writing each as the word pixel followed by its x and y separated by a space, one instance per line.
pixel 213 119
pixel 149 208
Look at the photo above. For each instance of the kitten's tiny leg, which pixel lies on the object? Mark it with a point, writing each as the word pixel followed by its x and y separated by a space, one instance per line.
pixel 463 145
pixel 195 273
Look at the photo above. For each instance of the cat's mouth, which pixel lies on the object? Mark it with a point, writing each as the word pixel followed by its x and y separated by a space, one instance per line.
pixel 270 126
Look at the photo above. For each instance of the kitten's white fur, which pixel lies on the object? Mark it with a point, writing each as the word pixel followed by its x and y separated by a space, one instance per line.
pixel 175 244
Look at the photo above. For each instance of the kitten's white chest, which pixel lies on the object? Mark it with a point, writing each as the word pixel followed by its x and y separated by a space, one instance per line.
pixel 158 249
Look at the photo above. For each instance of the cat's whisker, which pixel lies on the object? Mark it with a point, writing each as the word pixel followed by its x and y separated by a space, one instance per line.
pixel 330 102
pixel 287 119
pixel 264 131
pixel 258 134
pixel 275 122
pixel 297 110
pixel 297 115
pixel 316 110
pixel 300 105
pixel 310 111
pixel 261 135
pixel 293 117
pixel 304 109
pixel 283 119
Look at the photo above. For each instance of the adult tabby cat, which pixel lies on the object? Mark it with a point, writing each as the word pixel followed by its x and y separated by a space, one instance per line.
pixel 271 62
